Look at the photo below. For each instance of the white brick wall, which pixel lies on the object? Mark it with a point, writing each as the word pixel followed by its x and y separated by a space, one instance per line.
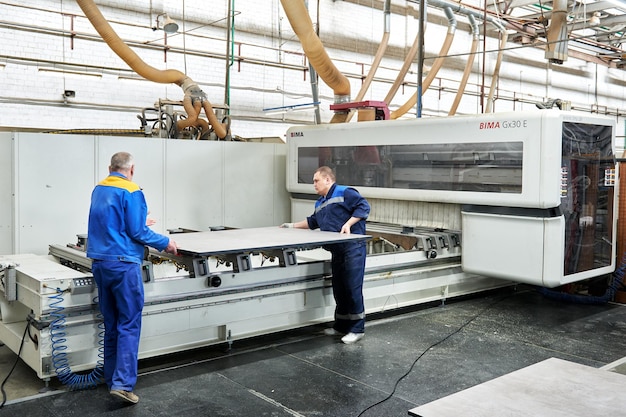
pixel 36 38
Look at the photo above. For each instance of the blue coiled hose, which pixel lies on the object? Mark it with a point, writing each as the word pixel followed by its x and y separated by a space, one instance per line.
pixel 59 350
pixel 618 276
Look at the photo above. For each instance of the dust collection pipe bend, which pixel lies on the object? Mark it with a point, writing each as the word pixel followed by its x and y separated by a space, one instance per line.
pixel 556 48
pixel 382 47
pixel 435 68
pixel 138 65
pixel 192 109
pixel 302 25
pixel 468 65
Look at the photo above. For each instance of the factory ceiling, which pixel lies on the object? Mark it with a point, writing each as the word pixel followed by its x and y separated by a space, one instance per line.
pixel 593 30
pixel 596 28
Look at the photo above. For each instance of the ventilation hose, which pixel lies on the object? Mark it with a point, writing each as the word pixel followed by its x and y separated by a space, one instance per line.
pixel 302 25
pixel 556 48
pixel 496 71
pixel 148 72
pixel 377 58
pixel 408 61
pixel 60 361
pixel 435 68
pixel 468 65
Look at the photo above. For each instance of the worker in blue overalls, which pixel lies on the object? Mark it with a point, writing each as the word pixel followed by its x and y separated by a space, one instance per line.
pixel 117 236
pixel 342 209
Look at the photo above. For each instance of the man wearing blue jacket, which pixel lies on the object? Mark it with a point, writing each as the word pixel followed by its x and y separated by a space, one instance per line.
pixel 117 235
pixel 342 209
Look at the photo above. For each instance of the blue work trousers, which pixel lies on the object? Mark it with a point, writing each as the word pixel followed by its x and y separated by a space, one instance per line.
pixel 120 294
pixel 348 267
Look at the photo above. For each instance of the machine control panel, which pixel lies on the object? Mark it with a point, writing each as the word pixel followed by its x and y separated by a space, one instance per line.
pixel 83 285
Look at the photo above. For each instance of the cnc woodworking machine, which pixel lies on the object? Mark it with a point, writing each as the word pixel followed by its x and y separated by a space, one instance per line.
pixel 459 205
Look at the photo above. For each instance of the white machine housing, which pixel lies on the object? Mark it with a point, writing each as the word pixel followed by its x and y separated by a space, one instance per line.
pixel 510 171
pixel 501 187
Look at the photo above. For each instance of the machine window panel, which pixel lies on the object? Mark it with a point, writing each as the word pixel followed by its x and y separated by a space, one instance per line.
pixel 479 167
pixel 587 195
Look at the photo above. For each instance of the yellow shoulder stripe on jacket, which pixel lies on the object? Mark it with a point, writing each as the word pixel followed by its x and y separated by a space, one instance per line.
pixel 119 182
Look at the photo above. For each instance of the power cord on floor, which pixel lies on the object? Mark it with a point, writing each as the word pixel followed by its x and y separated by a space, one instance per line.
pixel 426 350
pixel 4 394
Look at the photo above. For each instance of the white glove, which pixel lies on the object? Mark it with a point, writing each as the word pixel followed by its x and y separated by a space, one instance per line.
pixel 287 225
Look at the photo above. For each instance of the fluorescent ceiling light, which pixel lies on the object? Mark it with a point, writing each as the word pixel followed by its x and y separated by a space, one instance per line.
pixel 131 77
pixel 291 108
pixel 69 72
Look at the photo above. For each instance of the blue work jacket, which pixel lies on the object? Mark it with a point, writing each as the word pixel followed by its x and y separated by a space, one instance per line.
pixel 117 222
pixel 334 209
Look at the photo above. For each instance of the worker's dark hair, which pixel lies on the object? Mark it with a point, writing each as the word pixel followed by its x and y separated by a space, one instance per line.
pixel 121 161
pixel 326 172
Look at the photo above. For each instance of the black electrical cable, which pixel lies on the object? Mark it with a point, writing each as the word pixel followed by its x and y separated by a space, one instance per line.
pixel 4 394
pixel 426 350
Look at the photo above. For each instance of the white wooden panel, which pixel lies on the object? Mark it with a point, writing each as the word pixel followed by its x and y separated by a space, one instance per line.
pixel 280 196
pixel 250 194
pixel 6 194
pixel 551 388
pixel 257 239
pixel 54 184
pixel 194 184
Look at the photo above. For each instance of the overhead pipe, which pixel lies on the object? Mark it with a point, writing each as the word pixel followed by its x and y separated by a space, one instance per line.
pixel 468 65
pixel 455 7
pixel 408 60
pixel 435 68
pixel 496 70
pixel 410 57
pixel 420 57
pixel 458 9
pixel 315 91
pixel 556 49
pixel 193 93
pixel 230 48
pixel 302 25
pixel 382 47
pixel 315 94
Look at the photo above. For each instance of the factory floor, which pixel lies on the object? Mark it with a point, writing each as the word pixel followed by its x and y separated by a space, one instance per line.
pixel 407 359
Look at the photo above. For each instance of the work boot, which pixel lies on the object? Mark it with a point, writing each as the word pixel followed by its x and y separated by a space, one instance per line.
pixel 127 396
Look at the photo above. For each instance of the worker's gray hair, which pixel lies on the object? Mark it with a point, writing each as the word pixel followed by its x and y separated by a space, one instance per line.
pixel 121 161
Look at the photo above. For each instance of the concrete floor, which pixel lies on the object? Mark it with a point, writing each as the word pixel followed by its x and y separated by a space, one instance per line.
pixel 23 381
pixel 420 355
